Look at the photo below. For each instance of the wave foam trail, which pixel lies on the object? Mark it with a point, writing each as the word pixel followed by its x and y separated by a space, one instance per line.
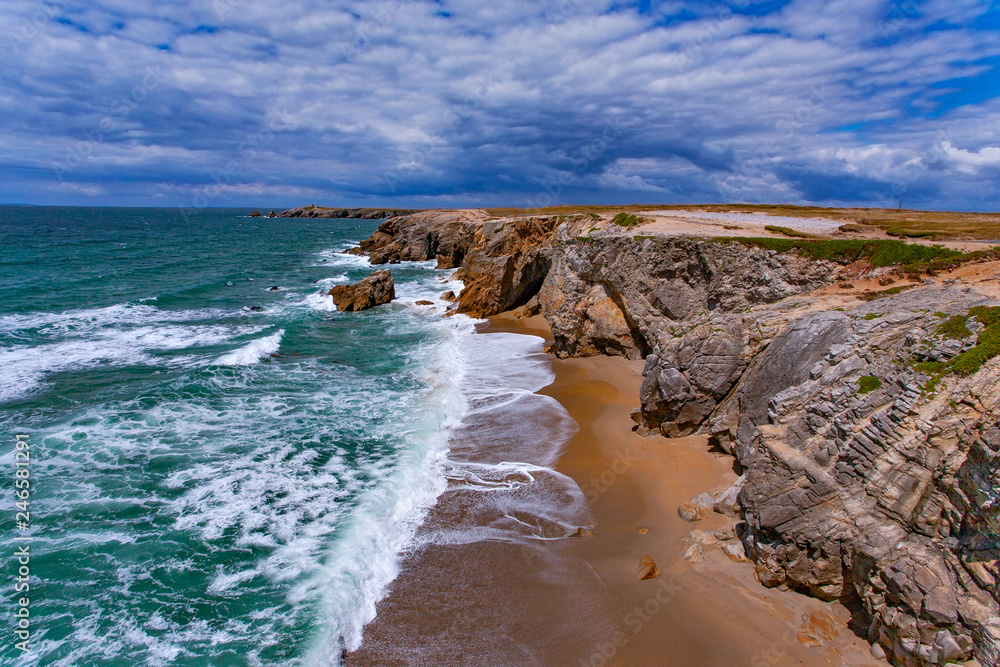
pixel 364 558
pixel 26 367
pixel 253 351
pixel 87 320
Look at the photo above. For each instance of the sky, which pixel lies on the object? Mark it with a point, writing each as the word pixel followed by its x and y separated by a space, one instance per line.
pixel 453 103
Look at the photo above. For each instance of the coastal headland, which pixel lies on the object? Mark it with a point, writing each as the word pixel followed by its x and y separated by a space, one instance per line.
pixel 792 412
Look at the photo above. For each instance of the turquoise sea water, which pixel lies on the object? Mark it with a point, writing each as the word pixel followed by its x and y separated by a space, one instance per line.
pixel 223 473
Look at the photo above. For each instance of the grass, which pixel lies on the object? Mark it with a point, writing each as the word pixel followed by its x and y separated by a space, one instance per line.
pixel 868 384
pixel 873 316
pixel 954 328
pixel 931 367
pixel 892 291
pixel 851 227
pixel 968 362
pixel 987 344
pixel 787 231
pixel 627 220
pixel 878 252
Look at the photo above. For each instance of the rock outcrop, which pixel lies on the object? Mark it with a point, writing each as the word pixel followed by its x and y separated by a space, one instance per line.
pixel 355 213
pixel 880 493
pixel 622 295
pixel 429 235
pixel 376 289
pixel 864 479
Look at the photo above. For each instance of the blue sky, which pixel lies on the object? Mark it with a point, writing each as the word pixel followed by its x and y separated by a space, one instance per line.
pixel 524 103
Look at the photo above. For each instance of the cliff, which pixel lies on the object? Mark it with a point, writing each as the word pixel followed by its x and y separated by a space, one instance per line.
pixel 867 432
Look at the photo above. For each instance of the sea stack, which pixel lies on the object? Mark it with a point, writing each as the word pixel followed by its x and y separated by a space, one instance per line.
pixel 376 289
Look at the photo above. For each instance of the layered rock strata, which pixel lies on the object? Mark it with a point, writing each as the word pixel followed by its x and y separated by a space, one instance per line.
pixel 863 482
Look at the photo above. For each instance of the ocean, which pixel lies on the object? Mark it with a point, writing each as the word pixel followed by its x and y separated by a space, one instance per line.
pixel 224 469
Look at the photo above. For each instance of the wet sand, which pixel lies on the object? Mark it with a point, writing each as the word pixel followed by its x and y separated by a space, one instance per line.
pixel 579 601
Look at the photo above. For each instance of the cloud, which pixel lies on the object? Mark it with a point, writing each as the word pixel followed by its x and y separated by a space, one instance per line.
pixel 244 102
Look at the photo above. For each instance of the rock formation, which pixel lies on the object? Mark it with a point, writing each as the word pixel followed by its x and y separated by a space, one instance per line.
pixel 376 289
pixel 870 469
pixel 876 492
pixel 313 211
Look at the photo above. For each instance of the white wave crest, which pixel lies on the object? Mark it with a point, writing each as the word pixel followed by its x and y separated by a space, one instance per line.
pixel 253 351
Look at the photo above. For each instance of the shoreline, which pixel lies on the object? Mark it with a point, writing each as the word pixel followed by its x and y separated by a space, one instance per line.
pixel 579 601
pixel 716 611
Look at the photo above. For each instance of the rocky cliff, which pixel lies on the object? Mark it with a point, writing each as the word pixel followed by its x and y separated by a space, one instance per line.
pixel 868 439
pixel 870 476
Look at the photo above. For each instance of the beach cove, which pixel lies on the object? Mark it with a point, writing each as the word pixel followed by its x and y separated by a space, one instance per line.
pixel 579 600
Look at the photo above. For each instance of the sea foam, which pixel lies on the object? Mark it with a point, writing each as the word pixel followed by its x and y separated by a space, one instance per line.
pixel 253 351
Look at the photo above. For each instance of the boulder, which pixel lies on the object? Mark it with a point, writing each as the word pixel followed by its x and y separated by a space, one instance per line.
pixel 376 289
pixel 697 509
pixel 648 569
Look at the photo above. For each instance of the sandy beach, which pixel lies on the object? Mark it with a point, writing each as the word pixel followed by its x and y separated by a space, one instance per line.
pixel 579 601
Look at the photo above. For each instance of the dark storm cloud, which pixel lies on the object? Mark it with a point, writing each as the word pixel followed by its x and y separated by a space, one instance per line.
pixel 456 103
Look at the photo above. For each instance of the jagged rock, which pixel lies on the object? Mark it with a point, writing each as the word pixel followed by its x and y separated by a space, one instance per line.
pixel 693 554
pixel 647 288
pixel 506 265
pixel 597 325
pixel 867 495
pixel 727 502
pixel 427 235
pixel 376 289
pixel 648 569
pixel 424 302
pixel 724 534
pixel 689 374
pixel 449 296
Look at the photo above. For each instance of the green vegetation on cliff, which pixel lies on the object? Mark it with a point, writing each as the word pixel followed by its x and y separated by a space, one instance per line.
pixel 987 345
pixel 627 220
pixel 878 252
pixel 868 384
